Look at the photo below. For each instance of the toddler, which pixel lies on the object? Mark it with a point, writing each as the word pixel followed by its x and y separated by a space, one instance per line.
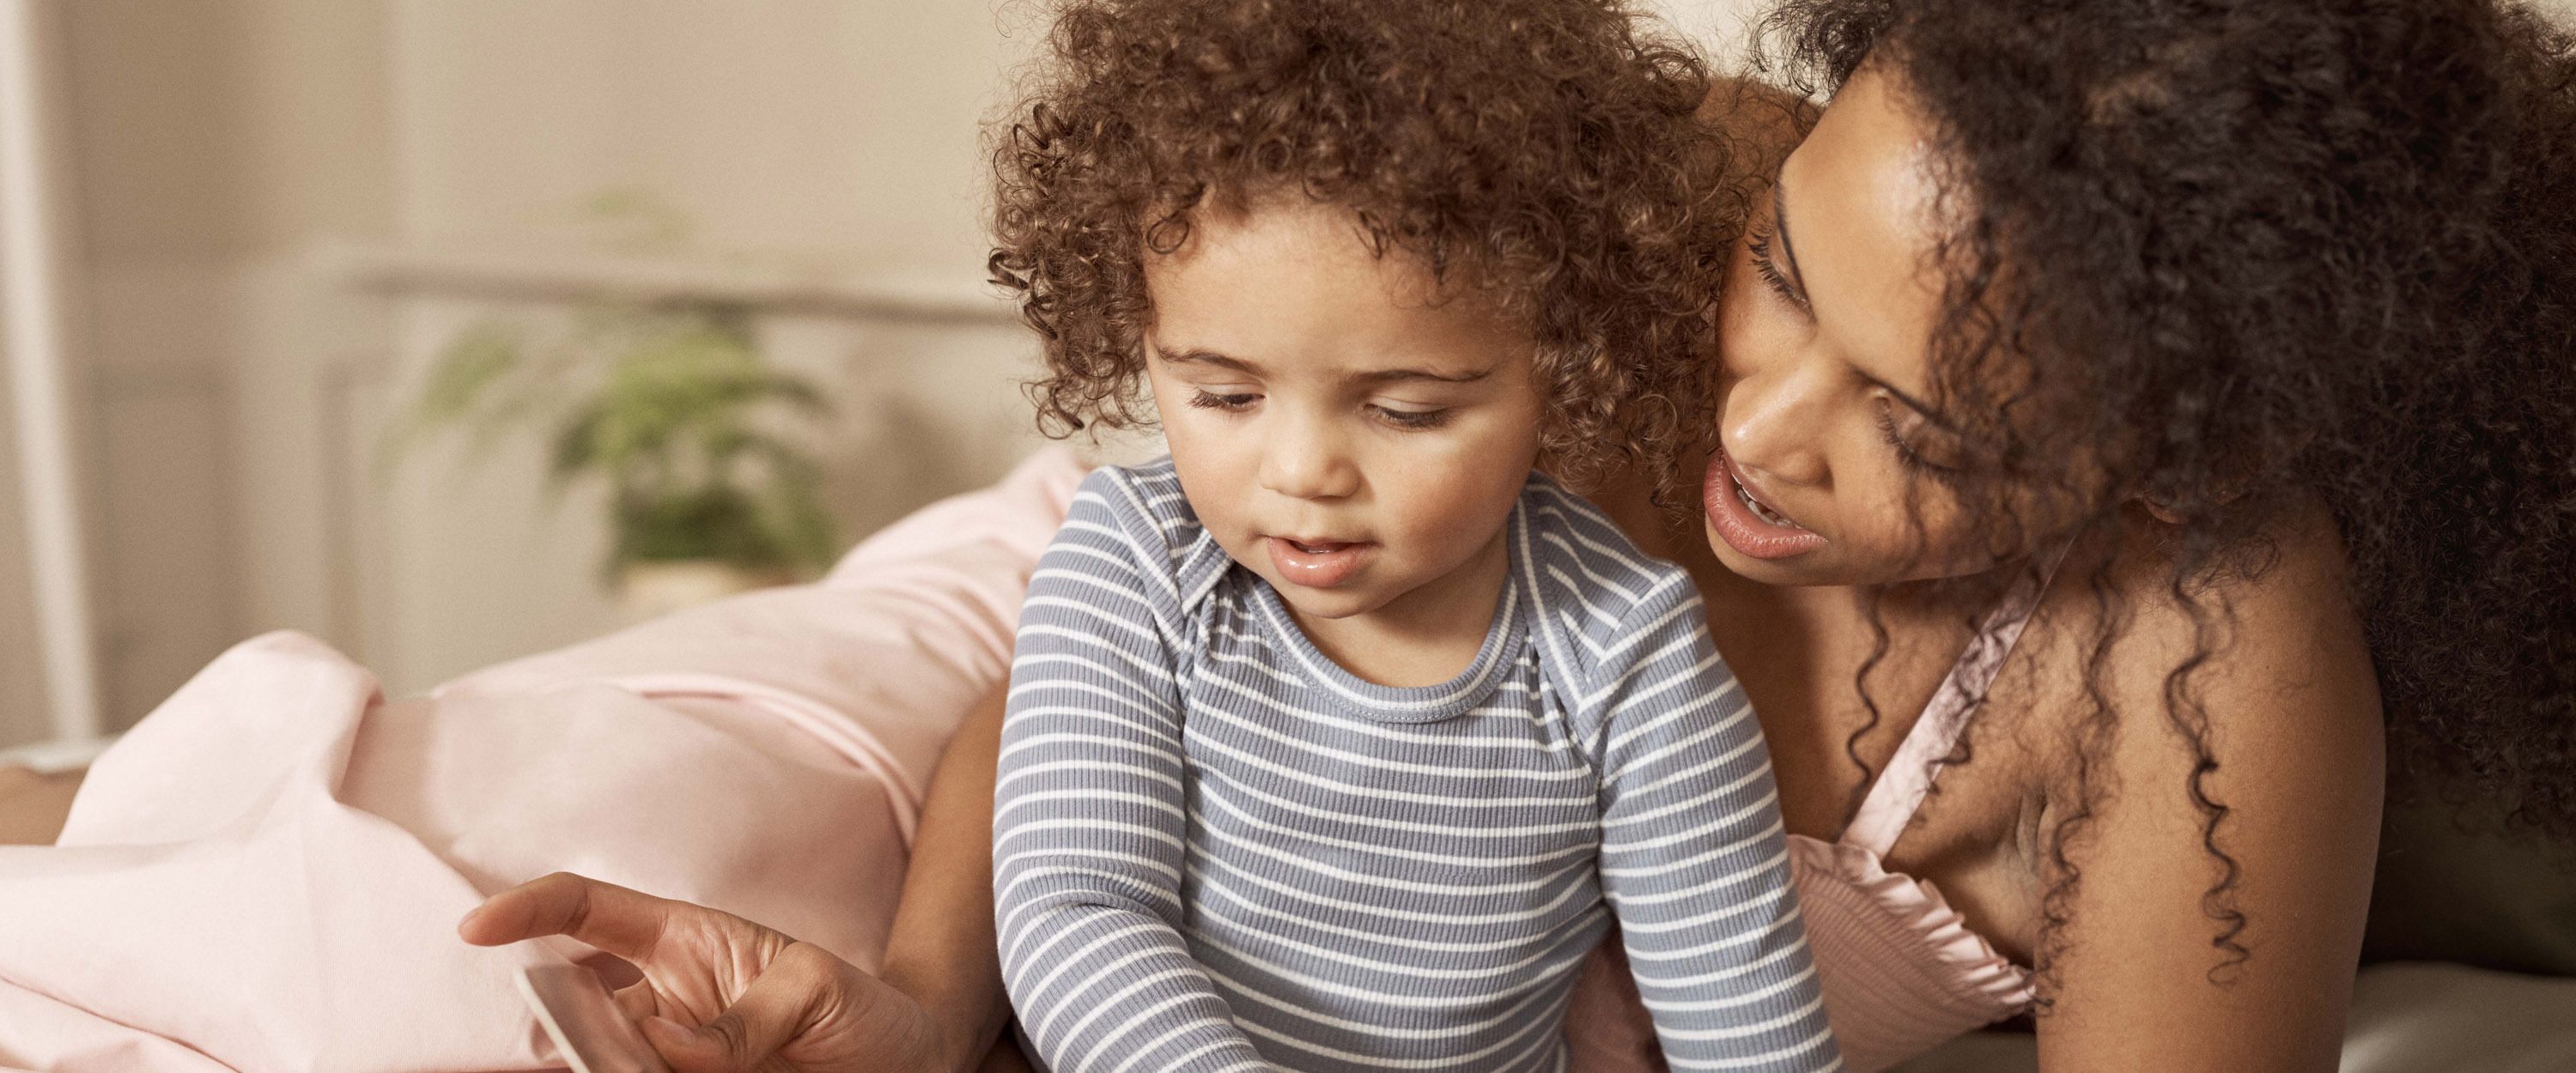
pixel 1338 738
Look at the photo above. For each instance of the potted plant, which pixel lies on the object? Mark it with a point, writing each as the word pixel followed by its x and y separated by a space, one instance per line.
pixel 672 407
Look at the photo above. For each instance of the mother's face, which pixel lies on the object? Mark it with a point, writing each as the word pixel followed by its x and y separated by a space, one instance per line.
pixel 1836 466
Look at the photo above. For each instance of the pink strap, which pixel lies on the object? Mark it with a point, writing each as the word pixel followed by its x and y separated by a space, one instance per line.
pixel 1900 789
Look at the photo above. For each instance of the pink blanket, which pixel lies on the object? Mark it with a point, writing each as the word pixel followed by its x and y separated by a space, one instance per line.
pixel 266 873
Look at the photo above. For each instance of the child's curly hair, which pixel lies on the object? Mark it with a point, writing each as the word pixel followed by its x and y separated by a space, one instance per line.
pixel 1547 148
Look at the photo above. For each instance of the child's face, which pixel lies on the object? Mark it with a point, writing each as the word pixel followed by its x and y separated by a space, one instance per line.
pixel 1338 432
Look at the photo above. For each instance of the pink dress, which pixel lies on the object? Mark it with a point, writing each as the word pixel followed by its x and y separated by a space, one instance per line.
pixel 1900 970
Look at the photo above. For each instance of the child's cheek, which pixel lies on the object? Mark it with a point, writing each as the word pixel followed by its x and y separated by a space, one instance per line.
pixel 1468 490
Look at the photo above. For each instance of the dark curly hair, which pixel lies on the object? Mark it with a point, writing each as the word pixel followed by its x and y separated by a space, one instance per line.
pixel 2254 254
pixel 1543 152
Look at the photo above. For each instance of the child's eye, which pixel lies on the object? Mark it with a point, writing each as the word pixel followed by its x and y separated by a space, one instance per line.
pixel 1207 400
pixel 1412 419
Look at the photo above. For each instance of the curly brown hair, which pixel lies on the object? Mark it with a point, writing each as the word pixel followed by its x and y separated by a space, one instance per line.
pixel 1545 153
pixel 2266 254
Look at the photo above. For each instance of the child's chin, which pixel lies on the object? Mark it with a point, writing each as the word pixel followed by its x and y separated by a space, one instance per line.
pixel 1334 603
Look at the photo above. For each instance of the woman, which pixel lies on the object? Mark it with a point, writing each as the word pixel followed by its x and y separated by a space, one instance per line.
pixel 2131 376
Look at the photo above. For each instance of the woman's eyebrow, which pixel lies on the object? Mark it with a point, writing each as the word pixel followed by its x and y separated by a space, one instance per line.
pixel 1780 228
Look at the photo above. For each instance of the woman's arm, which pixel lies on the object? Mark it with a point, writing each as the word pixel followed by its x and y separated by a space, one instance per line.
pixel 2294 732
pixel 941 952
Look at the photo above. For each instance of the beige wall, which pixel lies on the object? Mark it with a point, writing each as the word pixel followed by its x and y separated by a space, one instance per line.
pixel 231 381
pixel 213 144
pixel 824 135
pixel 223 148
pixel 829 129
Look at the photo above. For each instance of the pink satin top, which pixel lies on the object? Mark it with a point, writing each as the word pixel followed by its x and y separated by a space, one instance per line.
pixel 1900 971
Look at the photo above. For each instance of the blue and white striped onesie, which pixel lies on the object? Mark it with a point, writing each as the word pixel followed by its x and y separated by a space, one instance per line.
pixel 1215 849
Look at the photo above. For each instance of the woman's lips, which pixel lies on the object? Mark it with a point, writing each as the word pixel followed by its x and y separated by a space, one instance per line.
pixel 1738 522
pixel 1317 564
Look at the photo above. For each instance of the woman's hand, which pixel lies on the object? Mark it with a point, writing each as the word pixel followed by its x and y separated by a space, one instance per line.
pixel 721 993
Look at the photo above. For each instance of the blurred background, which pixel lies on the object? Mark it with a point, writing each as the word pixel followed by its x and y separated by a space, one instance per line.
pixel 454 330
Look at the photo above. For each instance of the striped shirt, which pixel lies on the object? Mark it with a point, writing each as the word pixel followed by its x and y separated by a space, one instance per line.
pixel 1216 849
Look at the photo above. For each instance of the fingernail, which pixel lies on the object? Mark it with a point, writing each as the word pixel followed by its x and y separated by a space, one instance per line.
pixel 668 1029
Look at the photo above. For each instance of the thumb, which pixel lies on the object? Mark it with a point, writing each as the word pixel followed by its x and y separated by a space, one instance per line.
pixel 707 1049
pixel 771 1013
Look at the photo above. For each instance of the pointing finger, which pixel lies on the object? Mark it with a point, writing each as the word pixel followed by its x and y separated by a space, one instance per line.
pixel 623 922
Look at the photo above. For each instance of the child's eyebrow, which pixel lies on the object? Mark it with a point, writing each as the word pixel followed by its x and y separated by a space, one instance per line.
pixel 1389 376
pixel 1202 356
pixel 1199 356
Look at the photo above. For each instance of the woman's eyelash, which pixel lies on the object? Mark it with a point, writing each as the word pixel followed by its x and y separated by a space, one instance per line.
pixel 1206 400
pixel 1770 270
pixel 1906 455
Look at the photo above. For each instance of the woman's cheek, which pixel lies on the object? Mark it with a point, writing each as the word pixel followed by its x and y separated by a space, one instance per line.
pixel 1902 528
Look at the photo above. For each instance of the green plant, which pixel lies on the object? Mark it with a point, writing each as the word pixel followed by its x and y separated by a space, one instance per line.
pixel 672 406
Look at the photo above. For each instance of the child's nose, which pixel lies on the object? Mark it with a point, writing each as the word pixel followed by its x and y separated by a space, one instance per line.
pixel 1305 459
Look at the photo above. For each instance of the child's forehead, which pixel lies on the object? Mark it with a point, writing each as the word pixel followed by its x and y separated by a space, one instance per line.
pixel 1276 224
pixel 1299 287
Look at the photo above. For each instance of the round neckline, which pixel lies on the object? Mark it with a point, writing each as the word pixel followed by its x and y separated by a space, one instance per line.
pixel 1408 704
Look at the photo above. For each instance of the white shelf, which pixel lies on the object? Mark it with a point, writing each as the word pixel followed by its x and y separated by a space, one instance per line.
pixel 556 276
pixel 56 757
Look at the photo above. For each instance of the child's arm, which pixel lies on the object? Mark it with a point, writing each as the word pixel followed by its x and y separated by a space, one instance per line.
pixel 1693 857
pixel 1088 818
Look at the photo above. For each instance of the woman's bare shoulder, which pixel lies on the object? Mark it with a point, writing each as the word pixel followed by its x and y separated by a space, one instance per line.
pixel 2275 624
pixel 2229 796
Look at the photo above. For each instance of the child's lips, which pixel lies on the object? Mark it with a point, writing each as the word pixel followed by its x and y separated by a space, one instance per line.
pixel 1317 564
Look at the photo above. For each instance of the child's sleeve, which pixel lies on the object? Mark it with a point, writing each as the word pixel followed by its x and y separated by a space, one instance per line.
pixel 1088 816
pixel 1694 860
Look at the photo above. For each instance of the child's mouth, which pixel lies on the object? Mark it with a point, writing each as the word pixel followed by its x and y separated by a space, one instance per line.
pixel 1318 564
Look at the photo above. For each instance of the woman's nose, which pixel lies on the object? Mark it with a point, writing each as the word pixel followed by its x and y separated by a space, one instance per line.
pixel 1775 422
pixel 1305 458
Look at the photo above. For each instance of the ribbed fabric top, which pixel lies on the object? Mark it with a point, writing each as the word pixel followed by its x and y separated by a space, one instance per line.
pixel 1216 849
